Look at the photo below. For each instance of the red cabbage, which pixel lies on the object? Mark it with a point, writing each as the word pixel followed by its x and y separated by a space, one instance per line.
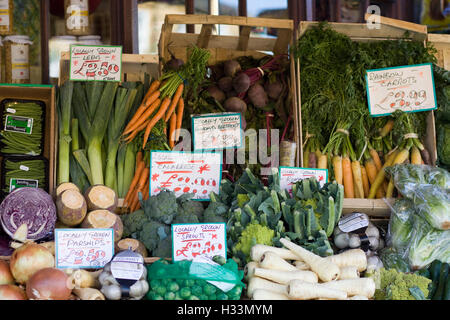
pixel 31 206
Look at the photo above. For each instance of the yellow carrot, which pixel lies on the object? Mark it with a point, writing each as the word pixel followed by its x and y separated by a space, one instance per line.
pixel 371 171
pixel 357 179
pixel 173 105
pixel 337 168
pixel 305 159
pixel 387 128
pixel 365 181
pixel 382 174
pixel 416 158
pixel 349 191
pixel 376 159
pixel 322 163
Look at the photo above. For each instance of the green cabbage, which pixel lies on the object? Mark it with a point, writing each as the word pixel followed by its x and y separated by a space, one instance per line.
pixel 433 204
pixel 401 224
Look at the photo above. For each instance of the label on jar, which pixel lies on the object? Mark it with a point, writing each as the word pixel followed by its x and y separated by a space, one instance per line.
pixel 19 124
pixel 4 12
pixel 20 64
pixel 78 14
pixel 15 183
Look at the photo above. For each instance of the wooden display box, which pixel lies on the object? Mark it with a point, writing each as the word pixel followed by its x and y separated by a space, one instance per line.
pixel 441 43
pixel 389 29
pixel 223 48
pixel 46 94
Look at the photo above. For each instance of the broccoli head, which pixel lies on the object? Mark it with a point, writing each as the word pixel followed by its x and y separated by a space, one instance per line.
pixel 215 212
pixel 152 233
pixel 164 249
pixel 133 222
pixel 189 207
pixel 161 207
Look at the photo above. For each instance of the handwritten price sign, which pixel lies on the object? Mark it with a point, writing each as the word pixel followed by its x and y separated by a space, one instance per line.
pixel 406 88
pixel 95 63
pixel 186 172
pixel 83 248
pixel 289 176
pixel 217 131
pixel 198 240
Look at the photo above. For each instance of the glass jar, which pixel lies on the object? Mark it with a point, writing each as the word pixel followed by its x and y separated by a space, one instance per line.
pixel 6 17
pixel 57 45
pixel 287 153
pixel 17 59
pixel 77 17
pixel 90 40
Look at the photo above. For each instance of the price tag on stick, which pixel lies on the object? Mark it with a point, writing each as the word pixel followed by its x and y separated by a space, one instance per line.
pixel 289 176
pixel 95 63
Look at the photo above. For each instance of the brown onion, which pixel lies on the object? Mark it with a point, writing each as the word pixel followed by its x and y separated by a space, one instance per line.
pixel 49 284
pixel 11 292
pixel 5 273
pixel 28 259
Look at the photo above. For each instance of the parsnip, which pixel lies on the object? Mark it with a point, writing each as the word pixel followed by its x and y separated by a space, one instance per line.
pixel 325 269
pixel 353 287
pixel 249 270
pixel 283 277
pixel 261 294
pixel 301 290
pixel 352 257
pixel 260 283
pixel 358 298
pixel 259 249
pixel 350 272
pixel 300 265
pixel 270 260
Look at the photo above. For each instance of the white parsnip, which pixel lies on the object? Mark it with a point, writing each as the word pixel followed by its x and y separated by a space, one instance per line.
pixel 352 257
pixel 261 294
pixel 325 269
pixel 358 298
pixel 270 260
pixel 350 272
pixel 249 270
pixel 284 277
pixel 301 290
pixel 259 249
pixel 353 287
pixel 300 265
pixel 260 283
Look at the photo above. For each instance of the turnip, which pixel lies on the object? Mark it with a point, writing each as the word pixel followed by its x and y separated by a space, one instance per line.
pixel 326 270
pixel 258 96
pixel 235 104
pixel 350 272
pixel 71 207
pixel 259 249
pixel 260 283
pixel 353 287
pixel 231 68
pixel 261 294
pixel 352 257
pixel 241 83
pixel 216 93
pixel 301 290
pixel 270 260
pixel 283 277
pixel 225 84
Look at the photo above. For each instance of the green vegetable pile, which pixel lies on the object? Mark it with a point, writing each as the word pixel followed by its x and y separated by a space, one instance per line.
pixel 152 224
pixel 394 285
pixel 27 169
pixel 187 280
pixel 438 272
pixel 442 85
pixel 22 128
pixel 263 214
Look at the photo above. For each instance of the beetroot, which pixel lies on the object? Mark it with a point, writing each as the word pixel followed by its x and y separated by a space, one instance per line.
pixel 241 83
pixel 216 93
pixel 225 84
pixel 274 89
pixel 231 68
pixel 231 94
pixel 258 96
pixel 234 104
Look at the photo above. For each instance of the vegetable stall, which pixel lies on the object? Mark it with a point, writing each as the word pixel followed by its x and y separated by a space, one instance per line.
pixel 107 160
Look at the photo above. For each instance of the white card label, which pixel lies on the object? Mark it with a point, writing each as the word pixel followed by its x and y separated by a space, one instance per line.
pixel 289 176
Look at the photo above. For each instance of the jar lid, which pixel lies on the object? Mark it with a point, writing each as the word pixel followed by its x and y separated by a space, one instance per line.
pixel 89 37
pixel 18 39
pixel 65 38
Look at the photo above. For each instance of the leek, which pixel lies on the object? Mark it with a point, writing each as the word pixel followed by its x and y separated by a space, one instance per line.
pixel 64 116
pixel 120 169
pixel 77 175
pixel 124 102
pixel 130 166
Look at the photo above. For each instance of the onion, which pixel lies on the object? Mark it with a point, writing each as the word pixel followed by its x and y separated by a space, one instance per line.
pixel 5 273
pixel 28 259
pixel 49 284
pixel 11 292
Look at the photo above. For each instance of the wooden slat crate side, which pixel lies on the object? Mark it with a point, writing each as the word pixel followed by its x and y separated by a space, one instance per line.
pixel 390 29
pixel 441 42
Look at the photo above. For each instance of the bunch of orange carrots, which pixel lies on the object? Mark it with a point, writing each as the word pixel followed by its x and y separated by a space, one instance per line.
pixel 157 106
pixel 139 184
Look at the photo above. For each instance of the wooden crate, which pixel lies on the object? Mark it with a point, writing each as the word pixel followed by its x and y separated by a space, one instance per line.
pixel 389 29
pixel 442 44
pixel 223 48
pixel 46 94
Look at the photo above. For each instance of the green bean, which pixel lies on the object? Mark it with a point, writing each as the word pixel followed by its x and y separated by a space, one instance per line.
pixel 13 169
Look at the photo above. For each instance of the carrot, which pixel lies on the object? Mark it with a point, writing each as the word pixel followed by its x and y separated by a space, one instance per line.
pixel 376 158
pixel 133 135
pixel 143 179
pixel 365 181
pixel 164 105
pixel 387 128
pixel 357 179
pixel 400 158
pixel 180 114
pixel 142 108
pixel 140 167
pixel 426 157
pixel 134 203
pixel 173 105
pixel 312 161
pixel 173 127
pixel 347 177
pixel 371 171
pixel 153 87
pixel 322 163
pixel 139 157
pixel 416 158
pixel 305 159
pixel 382 174
pixel 146 191
pixel 337 168
pixel 148 112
